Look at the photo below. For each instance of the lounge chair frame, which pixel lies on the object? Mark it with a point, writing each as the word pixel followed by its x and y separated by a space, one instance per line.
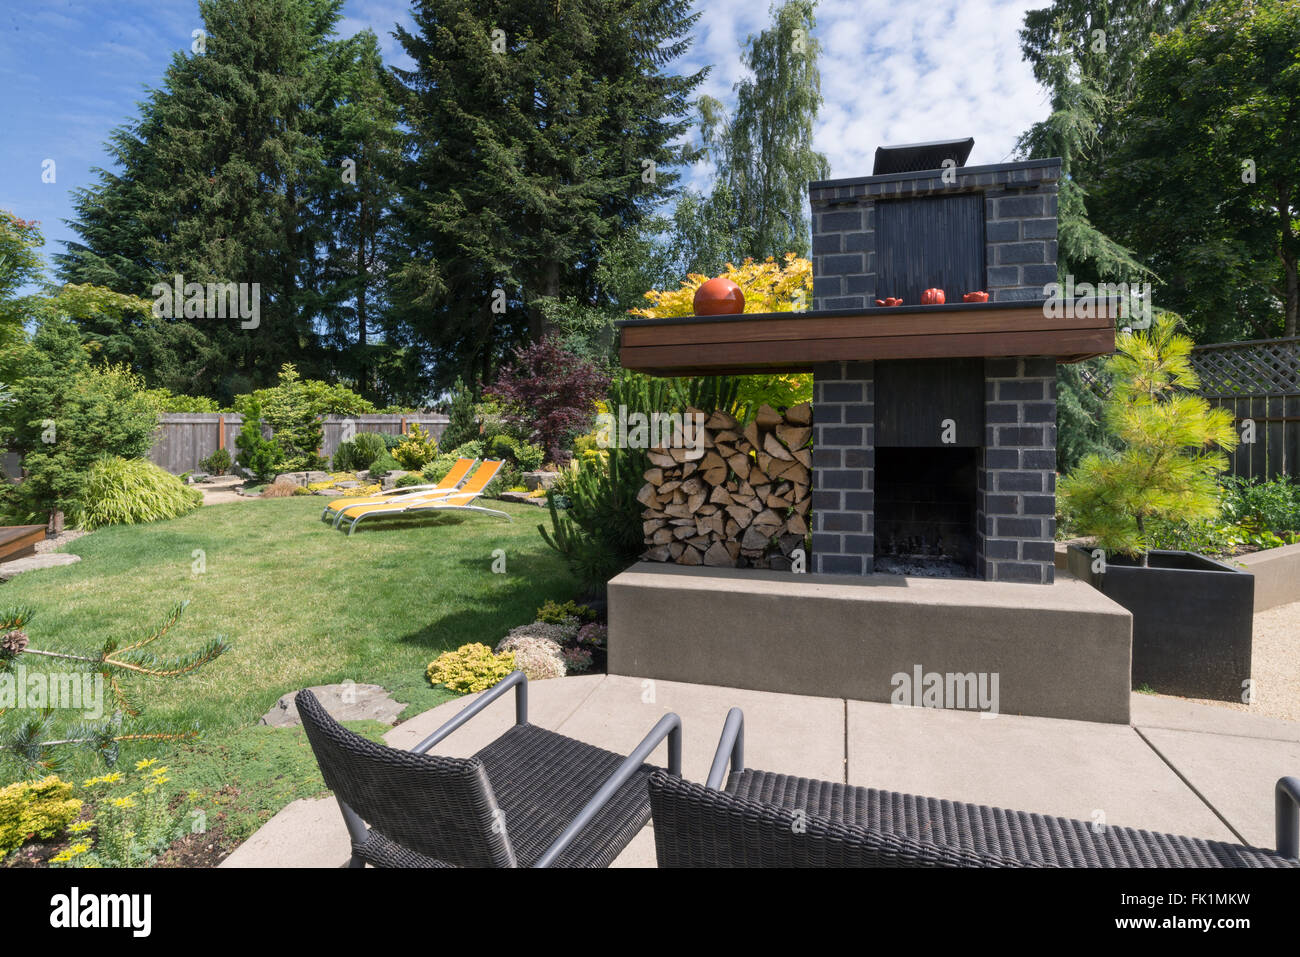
pixel 333 515
pixel 430 506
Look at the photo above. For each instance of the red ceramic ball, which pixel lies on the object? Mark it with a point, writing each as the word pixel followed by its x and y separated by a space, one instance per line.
pixel 719 297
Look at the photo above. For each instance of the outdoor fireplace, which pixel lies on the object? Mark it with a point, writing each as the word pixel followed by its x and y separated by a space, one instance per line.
pixel 893 234
pixel 932 471
pixel 934 426
pixel 925 511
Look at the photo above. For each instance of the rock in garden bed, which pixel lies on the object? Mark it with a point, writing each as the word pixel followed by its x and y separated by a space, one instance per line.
pixel 344 702
pixel 303 478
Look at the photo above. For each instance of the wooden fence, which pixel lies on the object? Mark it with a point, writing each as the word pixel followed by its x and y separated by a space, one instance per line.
pixel 1259 382
pixel 186 438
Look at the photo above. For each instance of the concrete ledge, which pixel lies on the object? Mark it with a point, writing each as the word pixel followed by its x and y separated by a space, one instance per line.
pixel 1277 575
pixel 1061 650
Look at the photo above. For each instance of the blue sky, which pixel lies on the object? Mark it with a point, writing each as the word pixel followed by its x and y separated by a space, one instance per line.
pixel 71 70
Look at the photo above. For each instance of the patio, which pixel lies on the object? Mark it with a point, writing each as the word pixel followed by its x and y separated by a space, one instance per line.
pixel 1179 767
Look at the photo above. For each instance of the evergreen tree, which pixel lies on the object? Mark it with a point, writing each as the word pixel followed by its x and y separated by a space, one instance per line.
pixel 63 414
pixel 354 195
pixel 214 186
pixel 34 742
pixel 1173 445
pixel 538 134
pixel 763 151
pixel 20 264
pixel 1104 42
pixel 462 426
pixel 1084 55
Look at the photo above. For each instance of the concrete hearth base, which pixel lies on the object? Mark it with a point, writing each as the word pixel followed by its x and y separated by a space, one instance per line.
pixel 1059 651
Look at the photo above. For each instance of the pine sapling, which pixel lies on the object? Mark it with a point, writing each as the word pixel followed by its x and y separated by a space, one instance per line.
pixel 1172 446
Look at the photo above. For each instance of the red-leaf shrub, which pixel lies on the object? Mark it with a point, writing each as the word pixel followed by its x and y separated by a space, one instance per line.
pixel 551 392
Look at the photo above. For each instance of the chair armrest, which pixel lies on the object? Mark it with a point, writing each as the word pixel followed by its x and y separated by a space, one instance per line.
pixel 669 726
pixel 516 679
pixel 1288 817
pixel 730 746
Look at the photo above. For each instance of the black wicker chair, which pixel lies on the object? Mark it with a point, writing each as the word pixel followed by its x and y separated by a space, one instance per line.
pixel 531 798
pixel 775 820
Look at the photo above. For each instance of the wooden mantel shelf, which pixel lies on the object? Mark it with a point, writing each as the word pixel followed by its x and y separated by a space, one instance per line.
pixel 796 341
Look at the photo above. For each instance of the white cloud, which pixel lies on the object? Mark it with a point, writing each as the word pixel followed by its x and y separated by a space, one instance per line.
pixel 894 73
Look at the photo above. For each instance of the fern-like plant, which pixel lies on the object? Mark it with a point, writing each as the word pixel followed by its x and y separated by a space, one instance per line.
pixel 1172 446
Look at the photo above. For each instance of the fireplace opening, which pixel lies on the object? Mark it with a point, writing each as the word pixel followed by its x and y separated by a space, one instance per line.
pixel 925 511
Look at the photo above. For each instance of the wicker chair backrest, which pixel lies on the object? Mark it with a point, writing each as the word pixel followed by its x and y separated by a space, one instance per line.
pixel 436 806
pixel 697 826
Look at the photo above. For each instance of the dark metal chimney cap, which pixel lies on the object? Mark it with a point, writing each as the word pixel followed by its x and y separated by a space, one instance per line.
pixel 915 157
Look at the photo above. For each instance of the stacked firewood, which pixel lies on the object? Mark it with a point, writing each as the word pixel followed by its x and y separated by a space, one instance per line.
pixel 739 499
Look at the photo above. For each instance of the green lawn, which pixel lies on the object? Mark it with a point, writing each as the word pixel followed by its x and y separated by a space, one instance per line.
pixel 302 604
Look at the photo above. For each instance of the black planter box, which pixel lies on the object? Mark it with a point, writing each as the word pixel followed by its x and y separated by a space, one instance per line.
pixel 1192 620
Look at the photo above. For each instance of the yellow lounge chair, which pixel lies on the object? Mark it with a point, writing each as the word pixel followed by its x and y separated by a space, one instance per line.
pixel 335 508
pixel 459 500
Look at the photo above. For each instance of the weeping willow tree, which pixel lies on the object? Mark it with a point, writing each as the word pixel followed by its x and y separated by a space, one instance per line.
pixel 763 149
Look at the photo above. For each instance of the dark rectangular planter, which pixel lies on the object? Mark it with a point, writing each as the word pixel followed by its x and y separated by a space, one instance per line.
pixel 1192 619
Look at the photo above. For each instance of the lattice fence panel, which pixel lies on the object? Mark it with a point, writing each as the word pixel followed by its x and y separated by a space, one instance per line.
pixel 1268 367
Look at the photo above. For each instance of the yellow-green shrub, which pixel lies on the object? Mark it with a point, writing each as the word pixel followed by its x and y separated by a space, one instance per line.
pixel 416 450
pixel 41 808
pixel 122 491
pixel 470 668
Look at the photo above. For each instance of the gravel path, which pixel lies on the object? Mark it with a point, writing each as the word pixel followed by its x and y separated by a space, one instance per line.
pixel 50 543
pixel 221 489
pixel 1275 665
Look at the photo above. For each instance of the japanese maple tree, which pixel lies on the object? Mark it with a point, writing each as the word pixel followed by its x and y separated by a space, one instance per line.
pixel 552 393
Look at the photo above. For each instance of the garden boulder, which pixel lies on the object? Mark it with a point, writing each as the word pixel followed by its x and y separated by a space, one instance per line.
pixel 536 480
pixel 344 702
pixel 303 478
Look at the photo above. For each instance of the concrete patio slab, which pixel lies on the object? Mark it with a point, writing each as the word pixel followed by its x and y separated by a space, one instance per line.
pixel 641 852
pixel 1235 775
pixel 799 734
pixel 550 703
pixel 1074 769
pixel 1181 767
pixel 1158 711
pixel 306 833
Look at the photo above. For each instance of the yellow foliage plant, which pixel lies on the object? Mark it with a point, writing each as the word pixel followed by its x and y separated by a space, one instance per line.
pixel 42 808
pixel 470 668
pixel 769 286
